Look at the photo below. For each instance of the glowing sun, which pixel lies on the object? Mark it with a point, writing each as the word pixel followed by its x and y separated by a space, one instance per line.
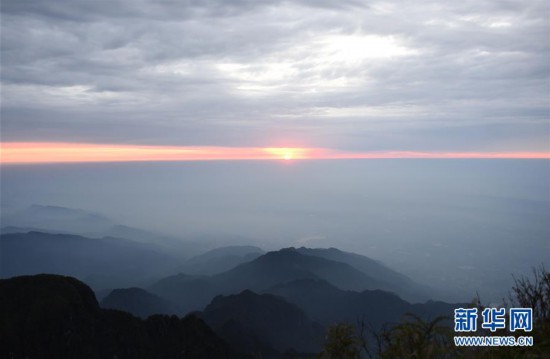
pixel 287 153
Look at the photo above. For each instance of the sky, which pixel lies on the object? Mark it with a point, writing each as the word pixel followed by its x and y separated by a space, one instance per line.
pixel 342 76
pixel 143 80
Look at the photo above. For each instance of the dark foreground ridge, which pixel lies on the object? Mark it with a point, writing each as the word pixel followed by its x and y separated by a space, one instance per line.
pixel 52 316
pixel 263 323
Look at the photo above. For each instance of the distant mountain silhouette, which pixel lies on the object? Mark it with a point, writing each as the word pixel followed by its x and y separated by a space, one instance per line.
pixel 327 304
pixel 389 279
pixel 63 220
pixel 101 262
pixel 50 316
pixel 256 322
pixel 272 268
pixel 13 230
pixel 138 302
pixel 56 218
pixel 286 265
pixel 220 260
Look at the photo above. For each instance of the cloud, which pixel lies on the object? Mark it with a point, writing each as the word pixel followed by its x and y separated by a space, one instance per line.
pixel 387 76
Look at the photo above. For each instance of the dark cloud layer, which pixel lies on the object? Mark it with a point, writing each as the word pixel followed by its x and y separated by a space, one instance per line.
pixel 395 75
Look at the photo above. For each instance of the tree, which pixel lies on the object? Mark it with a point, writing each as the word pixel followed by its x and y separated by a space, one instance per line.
pixel 416 338
pixel 341 343
pixel 533 294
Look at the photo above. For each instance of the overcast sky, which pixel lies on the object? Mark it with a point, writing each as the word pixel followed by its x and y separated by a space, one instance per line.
pixel 401 75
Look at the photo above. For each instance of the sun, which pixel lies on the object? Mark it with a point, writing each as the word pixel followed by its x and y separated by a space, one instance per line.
pixel 286 153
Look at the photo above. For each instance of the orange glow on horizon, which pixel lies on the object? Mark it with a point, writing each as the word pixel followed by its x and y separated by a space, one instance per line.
pixel 291 153
pixel 53 152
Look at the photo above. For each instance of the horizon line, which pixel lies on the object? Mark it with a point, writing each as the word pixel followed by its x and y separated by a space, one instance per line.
pixel 63 152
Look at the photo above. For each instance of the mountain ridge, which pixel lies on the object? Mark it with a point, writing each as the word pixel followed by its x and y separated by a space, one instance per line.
pixel 52 316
